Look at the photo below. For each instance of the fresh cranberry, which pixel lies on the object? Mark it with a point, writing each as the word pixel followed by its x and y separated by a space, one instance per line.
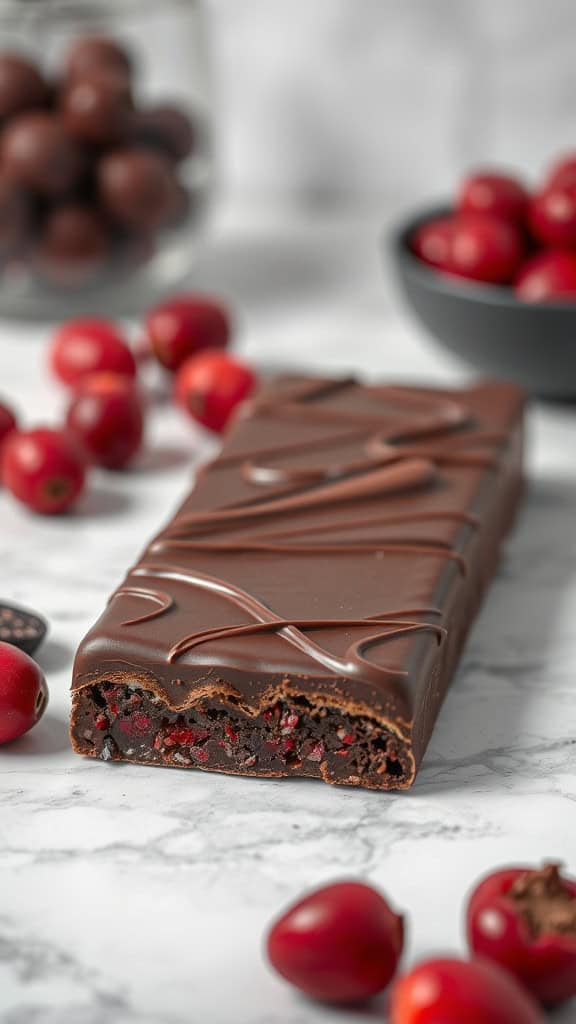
pixel 547 276
pixel 497 194
pixel 89 345
pixel 184 325
pixel 210 385
pixel 553 216
pixel 23 693
pixel 526 921
pixel 341 944
pixel 7 422
pixel 456 991
pixel 563 172
pixel 42 469
pixel 475 246
pixel 106 419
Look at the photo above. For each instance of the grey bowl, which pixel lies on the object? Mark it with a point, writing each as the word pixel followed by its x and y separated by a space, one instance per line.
pixel 533 345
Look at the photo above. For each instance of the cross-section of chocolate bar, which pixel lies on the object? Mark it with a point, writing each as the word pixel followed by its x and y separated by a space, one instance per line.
pixel 303 613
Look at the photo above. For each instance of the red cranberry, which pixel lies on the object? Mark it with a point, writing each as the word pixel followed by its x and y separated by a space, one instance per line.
pixel 525 920
pixel 341 944
pixel 563 172
pixel 106 419
pixel 456 991
pixel 210 385
pixel 474 246
pixel 497 194
pixel 85 346
pixel 185 324
pixel 42 469
pixel 23 693
pixel 553 216
pixel 7 422
pixel 547 276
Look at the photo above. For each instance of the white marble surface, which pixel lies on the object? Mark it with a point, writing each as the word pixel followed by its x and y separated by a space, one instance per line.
pixel 131 895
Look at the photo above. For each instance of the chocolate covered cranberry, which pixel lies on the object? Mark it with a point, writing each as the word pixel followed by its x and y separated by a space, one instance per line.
pixel 96 109
pixel 525 920
pixel 106 419
pixel 183 325
pixel 553 216
pixel 15 217
pixel 340 944
pixel 451 991
pixel 23 693
pixel 36 151
pixel 89 345
pixel 167 128
pixel 498 194
pixel 136 187
pixel 42 469
pixel 548 276
pixel 74 245
pixel 21 86
pixel 97 53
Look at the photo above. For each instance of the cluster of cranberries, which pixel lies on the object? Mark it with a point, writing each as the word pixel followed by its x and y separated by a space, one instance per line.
pixel 499 233
pixel 342 944
pixel 45 468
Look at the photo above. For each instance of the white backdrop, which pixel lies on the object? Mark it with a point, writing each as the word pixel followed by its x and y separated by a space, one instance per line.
pixel 364 101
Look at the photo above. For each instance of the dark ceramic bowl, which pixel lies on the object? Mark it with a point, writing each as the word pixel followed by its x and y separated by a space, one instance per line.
pixel 533 345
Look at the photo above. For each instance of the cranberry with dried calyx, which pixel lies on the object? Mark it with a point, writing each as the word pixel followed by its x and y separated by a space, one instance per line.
pixel 526 921
pixel 451 991
pixel 89 345
pixel 340 944
pixel 184 325
pixel 547 276
pixel 23 693
pixel 498 194
pixel 42 469
pixel 210 385
pixel 106 419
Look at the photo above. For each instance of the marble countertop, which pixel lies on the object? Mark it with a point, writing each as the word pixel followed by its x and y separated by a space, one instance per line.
pixel 131 895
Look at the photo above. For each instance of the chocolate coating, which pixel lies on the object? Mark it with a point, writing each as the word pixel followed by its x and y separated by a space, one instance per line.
pixel 15 217
pixel 304 611
pixel 96 108
pixel 97 53
pixel 136 187
pixel 74 246
pixel 21 86
pixel 167 128
pixel 37 151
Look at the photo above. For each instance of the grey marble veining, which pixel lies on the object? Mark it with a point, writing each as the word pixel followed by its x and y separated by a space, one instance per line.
pixel 131 895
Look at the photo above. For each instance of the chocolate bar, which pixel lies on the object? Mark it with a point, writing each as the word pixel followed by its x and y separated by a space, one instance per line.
pixel 304 611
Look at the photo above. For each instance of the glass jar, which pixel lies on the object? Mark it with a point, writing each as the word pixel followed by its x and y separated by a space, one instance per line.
pixel 105 152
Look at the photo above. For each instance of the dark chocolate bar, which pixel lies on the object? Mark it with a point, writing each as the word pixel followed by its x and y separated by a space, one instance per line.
pixel 303 613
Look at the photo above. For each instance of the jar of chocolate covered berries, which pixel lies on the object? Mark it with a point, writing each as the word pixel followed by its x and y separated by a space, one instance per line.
pixel 105 156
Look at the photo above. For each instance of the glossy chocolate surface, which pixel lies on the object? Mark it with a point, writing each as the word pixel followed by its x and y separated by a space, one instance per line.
pixel 336 552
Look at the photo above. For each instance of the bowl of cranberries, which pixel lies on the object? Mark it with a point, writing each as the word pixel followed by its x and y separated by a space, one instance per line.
pixel 493 277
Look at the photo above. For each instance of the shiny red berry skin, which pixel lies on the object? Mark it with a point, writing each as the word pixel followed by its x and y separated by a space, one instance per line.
pixel 474 246
pixel 451 991
pixel 89 345
pixel 563 172
pixel 498 928
pixel 340 944
pixel 184 325
pixel 106 419
pixel 210 385
pixel 42 469
pixel 497 194
pixel 547 276
pixel 552 216
pixel 23 693
pixel 7 422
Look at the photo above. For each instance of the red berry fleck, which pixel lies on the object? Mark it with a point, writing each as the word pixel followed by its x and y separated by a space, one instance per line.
pixel 342 753
pixel 158 741
pixel 547 276
pixel 42 469
pixel 345 737
pixel 23 692
pixel 289 721
pixel 451 991
pixel 271 713
pixel 179 736
pixel 81 347
pixel 340 944
pixel 526 921
pixel 184 325
pixel 288 746
pixel 101 722
pixel 106 419
pixel 317 753
pixel 553 216
pixel 496 194
pixel 7 422
pixel 232 736
pixel 272 744
pixel 199 754
pixel 209 386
